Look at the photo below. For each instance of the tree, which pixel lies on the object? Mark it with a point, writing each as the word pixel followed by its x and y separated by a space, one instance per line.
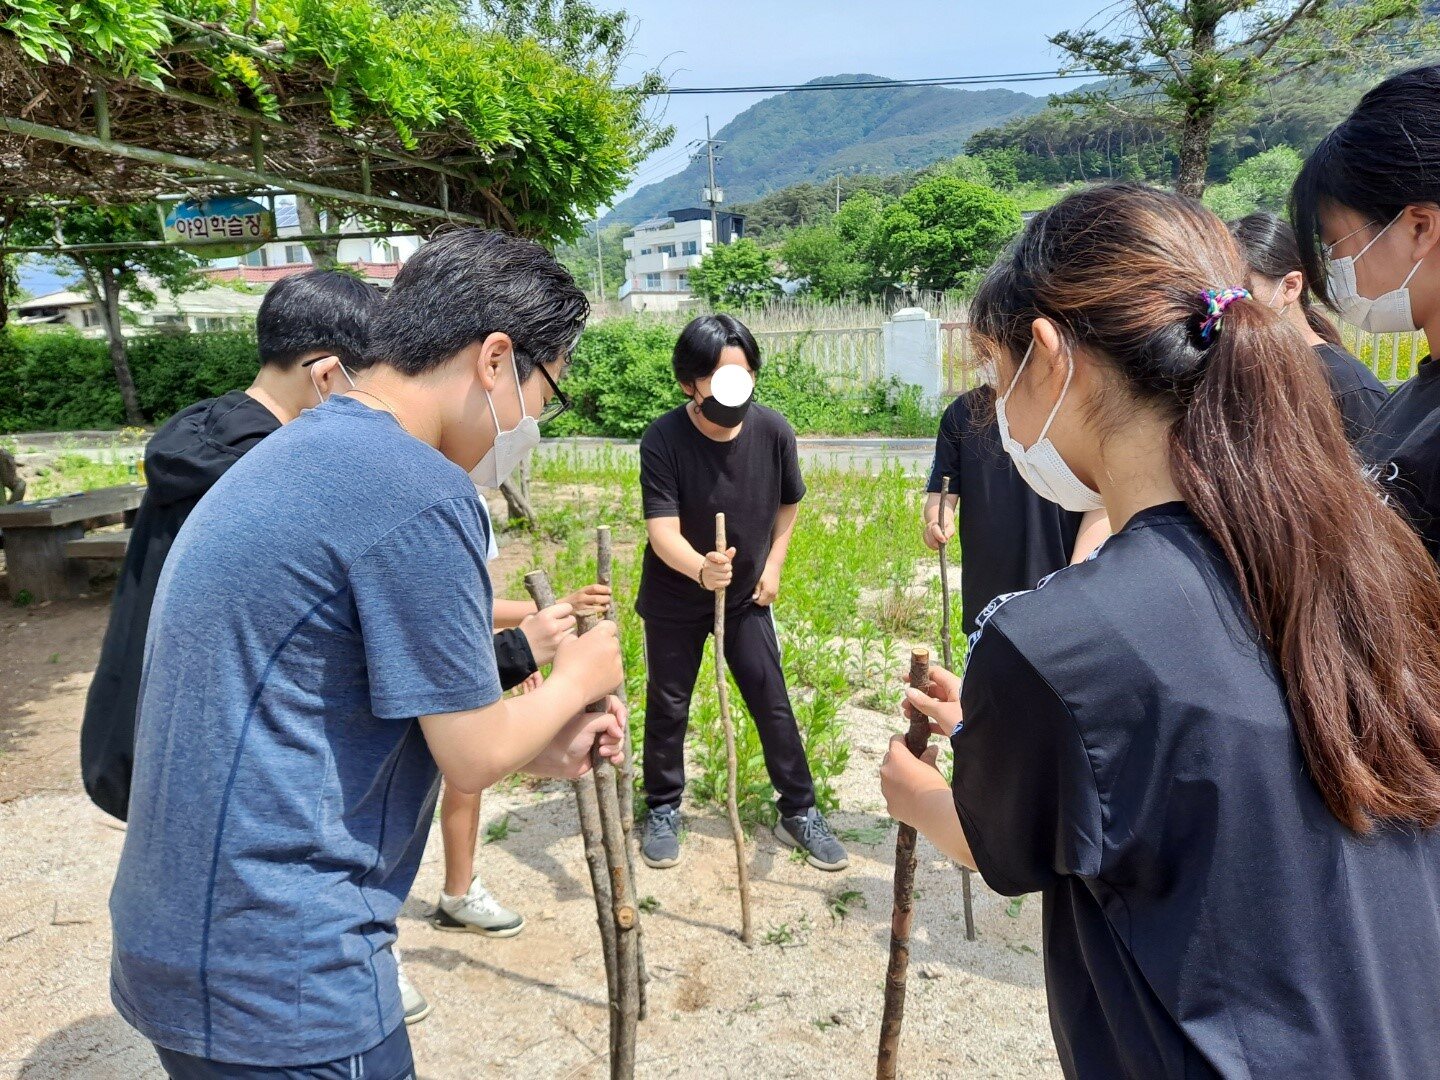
pixel 735 274
pixel 1258 183
pixel 106 274
pixel 831 268
pixel 1195 63
pixel 940 232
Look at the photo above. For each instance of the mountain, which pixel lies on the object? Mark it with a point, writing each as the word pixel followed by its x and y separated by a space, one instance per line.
pixel 810 135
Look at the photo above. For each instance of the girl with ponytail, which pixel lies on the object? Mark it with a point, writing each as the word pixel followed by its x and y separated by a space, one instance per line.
pixel 1214 748
pixel 1277 279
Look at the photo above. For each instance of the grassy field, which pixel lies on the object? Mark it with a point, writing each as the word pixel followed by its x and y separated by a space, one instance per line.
pixel 855 594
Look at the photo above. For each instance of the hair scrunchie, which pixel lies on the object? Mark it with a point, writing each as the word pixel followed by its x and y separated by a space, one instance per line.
pixel 1216 303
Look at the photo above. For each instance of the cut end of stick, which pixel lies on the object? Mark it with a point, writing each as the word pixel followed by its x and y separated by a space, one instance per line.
pixel 919 658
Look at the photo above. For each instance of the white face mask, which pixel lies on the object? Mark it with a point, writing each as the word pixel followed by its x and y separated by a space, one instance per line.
pixel 321 397
pixel 511 447
pixel 1388 313
pixel 1041 466
pixel 1283 308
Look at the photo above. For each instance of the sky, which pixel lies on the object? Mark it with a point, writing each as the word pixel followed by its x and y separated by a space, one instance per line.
pixel 750 42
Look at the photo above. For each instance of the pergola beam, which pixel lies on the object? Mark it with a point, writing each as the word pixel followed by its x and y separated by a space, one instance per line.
pixel 132 245
pixel 220 171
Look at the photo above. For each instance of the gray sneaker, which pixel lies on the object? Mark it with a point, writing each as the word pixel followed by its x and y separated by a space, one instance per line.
pixel 811 833
pixel 660 838
pixel 411 1000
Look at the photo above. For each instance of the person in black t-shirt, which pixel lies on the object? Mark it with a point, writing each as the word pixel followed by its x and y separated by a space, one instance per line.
pixel 1366 208
pixel 1010 537
pixel 720 452
pixel 310 327
pixel 1270 248
pixel 1213 748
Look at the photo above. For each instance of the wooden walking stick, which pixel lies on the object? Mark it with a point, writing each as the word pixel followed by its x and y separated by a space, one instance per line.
pixel 902 914
pixel 625 1003
pixel 947 653
pixel 731 798
pixel 625 775
pixel 588 808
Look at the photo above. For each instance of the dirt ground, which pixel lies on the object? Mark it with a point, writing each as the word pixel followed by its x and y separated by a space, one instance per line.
pixel 804 1002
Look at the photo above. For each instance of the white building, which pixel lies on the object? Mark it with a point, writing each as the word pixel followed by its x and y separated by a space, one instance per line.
pixel 661 252
pixel 214 308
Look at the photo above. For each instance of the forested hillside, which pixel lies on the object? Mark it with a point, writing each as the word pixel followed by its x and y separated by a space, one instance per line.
pixel 803 135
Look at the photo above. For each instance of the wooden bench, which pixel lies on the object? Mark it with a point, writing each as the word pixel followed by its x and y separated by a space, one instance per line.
pixel 100 545
pixel 38 533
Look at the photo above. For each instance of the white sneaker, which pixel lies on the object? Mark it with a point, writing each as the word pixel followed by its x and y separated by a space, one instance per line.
pixel 477 912
pixel 411 1000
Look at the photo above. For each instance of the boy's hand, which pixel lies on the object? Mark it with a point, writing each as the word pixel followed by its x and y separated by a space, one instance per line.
pixel 935 537
pixel 545 630
pixel 533 682
pixel 939 701
pixel 591 599
pixel 592 661
pixel 767 588
pixel 718 570
pixel 568 755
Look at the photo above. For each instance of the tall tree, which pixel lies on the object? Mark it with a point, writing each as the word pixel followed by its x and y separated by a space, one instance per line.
pixel 106 274
pixel 734 275
pixel 1195 63
pixel 941 232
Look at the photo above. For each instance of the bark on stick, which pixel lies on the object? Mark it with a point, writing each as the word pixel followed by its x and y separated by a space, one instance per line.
pixel 732 805
pixel 902 914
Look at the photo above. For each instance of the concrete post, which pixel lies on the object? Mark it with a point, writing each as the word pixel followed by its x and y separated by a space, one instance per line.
pixel 913 351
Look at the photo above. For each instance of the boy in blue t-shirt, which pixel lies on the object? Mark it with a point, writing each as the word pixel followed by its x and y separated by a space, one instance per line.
pixel 321 640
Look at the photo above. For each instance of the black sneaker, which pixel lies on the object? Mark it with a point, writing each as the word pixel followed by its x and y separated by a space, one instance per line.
pixel 811 833
pixel 660 838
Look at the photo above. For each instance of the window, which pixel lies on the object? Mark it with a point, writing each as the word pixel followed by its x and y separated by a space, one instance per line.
pixel 296 253
pixel 254 258
pixel 683 281
pixel 89 316
pixel 667 249
pixel 690 247
pixel 652 281
pixel 645 251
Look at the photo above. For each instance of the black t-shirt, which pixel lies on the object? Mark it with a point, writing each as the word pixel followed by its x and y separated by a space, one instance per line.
pixel 1010 537
pixel 1358 393
pixel 685 474
pixel 1404 451
pixel 1128 751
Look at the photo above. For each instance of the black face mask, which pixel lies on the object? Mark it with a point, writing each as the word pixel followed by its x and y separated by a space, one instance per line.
pixel 726 416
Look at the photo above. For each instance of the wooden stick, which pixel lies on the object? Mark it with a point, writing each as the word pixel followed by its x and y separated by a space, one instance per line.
pixel 902 914
pixel 947 652
pixel 625 1003
pixel 591 831
pixel 625 775
pixel 732 804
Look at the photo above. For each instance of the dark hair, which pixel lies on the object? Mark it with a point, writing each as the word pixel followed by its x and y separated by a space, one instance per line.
pixel 697 352
pixel 1339 588
pixel 467 284
pixel 1381 159
pixel 320 310
pixel 1270 247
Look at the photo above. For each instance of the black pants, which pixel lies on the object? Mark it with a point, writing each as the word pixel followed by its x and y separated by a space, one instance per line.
pixel 673 653
pixel 390 1060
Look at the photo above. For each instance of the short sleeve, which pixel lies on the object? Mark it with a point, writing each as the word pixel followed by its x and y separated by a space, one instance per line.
pixel 792 484
pixel 1023 783
pixel 659 484
pixel 947 448
pixel 426 614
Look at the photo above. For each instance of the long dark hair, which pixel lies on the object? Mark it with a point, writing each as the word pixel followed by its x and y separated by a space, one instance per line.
pixel 1270 247
pixel 1382 158
pixel 1338 586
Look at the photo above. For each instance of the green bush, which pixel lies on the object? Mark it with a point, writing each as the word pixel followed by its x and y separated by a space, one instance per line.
pixel 620 381
pixel 59 381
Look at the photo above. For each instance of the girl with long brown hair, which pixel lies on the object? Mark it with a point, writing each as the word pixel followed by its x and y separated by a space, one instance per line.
pixel 1214 748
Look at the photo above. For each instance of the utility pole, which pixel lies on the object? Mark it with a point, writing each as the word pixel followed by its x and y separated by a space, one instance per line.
pixel 599 264
pixel 712 196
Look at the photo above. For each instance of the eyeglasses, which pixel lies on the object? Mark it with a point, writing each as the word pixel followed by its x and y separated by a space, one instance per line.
pixel 557 404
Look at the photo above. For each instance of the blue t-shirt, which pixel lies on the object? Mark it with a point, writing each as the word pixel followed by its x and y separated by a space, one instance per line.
pixel 326 592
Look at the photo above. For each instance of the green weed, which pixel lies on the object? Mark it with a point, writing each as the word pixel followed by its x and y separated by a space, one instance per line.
pixel 499 829
pixel 649 905
pixel 866 834
pixel 788 936
pixel 23 598
pixel 842 903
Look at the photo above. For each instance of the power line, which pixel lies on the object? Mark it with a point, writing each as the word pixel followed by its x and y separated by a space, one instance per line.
pixel 889 84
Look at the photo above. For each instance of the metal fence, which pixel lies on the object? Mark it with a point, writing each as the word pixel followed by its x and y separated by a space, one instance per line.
pixel 856 352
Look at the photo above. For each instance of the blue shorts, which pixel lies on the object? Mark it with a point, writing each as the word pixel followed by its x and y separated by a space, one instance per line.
pixel 390 1060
